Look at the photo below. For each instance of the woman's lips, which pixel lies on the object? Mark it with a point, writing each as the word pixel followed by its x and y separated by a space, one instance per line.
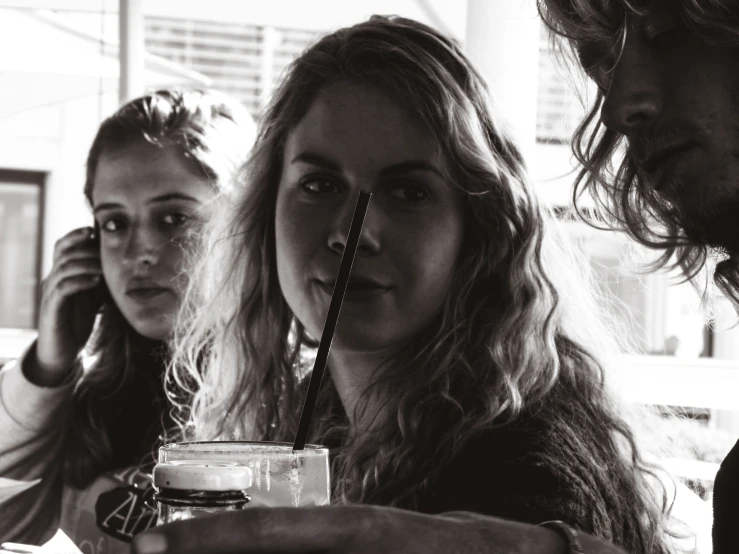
pixel 355 291
pixel 145 294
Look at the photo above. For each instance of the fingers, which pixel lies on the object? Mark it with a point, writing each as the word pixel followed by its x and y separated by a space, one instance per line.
pixel 257 530
pixel 72 285
pixel 319 530
pixel 72 274
pixel 76 264
pixel 74 240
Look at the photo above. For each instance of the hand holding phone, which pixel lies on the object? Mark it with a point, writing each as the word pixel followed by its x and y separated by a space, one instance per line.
pixel 69 304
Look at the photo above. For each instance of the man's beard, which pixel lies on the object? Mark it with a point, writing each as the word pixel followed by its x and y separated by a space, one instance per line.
pixel 714 224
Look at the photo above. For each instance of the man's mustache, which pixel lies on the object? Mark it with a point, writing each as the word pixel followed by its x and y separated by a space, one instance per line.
pixel 662 136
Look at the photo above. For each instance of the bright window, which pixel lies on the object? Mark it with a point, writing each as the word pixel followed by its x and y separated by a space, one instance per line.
pixel 20 201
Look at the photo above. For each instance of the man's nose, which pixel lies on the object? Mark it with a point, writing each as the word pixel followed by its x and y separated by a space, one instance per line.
pixel 634 98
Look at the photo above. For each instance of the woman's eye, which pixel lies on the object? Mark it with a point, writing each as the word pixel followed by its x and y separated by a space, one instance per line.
pixel 320 186
pixel 112 225
pixel 410 193
pixel 176 219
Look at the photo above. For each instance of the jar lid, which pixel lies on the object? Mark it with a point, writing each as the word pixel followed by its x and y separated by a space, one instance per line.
pixel 202 475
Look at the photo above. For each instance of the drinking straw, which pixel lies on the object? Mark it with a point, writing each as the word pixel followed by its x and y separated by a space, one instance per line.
pixel 334 308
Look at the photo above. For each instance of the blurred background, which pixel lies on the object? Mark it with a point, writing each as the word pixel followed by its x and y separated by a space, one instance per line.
pixel 67 64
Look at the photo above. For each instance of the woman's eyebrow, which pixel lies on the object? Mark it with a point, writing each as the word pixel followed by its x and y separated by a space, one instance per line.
pixel 106 206
pixel 394 169
pixel 411 165
pixel 155 200
pixel 172 196
pixel 316 159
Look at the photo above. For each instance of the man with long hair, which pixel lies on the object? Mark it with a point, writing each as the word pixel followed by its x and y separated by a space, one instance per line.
pixel 660 145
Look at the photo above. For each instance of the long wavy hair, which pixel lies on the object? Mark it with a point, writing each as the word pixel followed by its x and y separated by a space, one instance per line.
pixel 508 343
pixel 123 369
pixel 608 173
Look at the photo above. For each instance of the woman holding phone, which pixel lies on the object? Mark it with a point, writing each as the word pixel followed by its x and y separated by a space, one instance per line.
pixel 83 409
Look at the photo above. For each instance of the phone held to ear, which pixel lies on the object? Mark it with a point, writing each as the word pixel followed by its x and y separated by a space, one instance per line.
pixel 100 292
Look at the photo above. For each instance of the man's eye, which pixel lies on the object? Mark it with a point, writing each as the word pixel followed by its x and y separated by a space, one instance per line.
pixel 665 30
pixel 176 219
pixel 671 37
pixel 597 65
pixel 601 76
pixel 410 193
pixel 320 186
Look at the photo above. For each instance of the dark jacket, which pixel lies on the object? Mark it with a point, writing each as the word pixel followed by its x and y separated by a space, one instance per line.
pixel 726 505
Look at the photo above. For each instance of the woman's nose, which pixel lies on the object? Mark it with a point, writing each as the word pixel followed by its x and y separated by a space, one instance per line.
pixel 142 248
pixel 369 238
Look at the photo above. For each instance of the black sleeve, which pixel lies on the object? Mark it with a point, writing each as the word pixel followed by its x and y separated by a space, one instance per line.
pixel 529 494
pixel 514 484
pixel 726 505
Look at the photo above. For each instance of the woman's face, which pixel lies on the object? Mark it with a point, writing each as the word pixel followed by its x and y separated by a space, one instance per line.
pixel 144 199
pixel 355 137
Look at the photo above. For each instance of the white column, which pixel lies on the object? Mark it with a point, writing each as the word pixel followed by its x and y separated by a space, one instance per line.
pixel 131 49
pixel 502 39
pixel 270 43
pixel 655 293
pixel 726 347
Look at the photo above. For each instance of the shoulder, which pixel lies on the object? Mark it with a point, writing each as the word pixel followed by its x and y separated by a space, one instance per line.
pixel 523 441
pixel 110 511
pixel 728 473
pixel 502 472
pixel 726 484
pixel 726 503
pixel 88 360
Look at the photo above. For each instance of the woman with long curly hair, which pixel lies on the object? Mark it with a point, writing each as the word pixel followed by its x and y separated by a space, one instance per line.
pixel 467 369
pixel 84 408
pixel 652 50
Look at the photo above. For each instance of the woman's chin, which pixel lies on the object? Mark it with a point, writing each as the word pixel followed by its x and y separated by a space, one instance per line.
pixel 363 343
pixel 159 329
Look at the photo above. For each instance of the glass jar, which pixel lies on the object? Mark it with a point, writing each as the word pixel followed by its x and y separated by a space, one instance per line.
pixel 283 477
pixel 189 489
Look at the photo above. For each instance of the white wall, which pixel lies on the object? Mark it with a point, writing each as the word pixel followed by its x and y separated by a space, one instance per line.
pixel 299 14
pixel 54 139
pixel 502 39
pixel 56 87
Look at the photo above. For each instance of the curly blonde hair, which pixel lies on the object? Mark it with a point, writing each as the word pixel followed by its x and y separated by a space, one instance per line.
pixel 623 200
pixel 508 342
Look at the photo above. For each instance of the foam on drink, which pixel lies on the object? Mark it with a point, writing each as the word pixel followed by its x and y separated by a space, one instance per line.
pixel 280 475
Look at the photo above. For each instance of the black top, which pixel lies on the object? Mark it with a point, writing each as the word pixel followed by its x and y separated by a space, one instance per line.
pixel 138 413
pixel 133 412
pixel 503 473
pixel 726 505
